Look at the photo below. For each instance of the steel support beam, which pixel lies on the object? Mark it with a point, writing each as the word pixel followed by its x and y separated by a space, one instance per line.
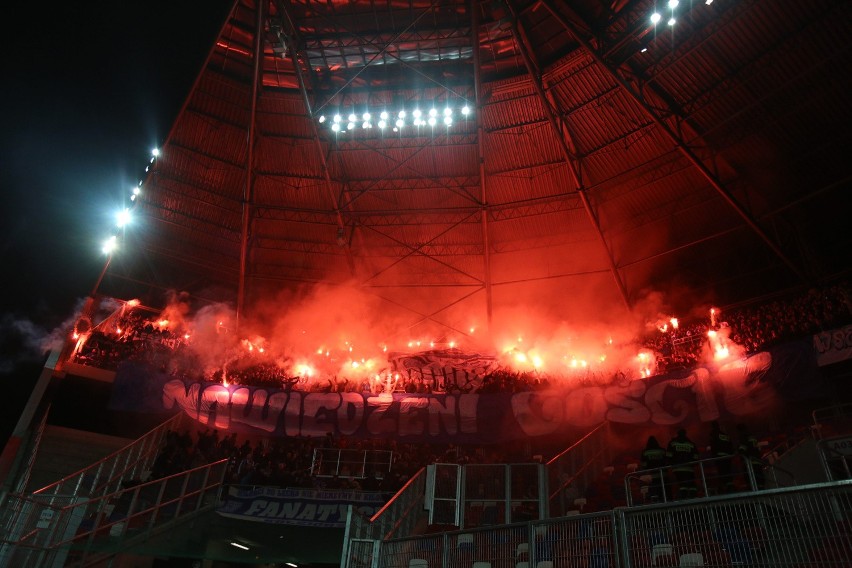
pixel 679 143
pixel 248 190
pixel 480 132
pixel 303 89
pixel 571 158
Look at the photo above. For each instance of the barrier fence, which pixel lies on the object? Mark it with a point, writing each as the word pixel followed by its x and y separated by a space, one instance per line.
pixel 702 478
pixel 805 526
pixel 60 530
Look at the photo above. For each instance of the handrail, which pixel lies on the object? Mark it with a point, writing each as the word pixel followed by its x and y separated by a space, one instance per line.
pixel 156 434
pixel 159 504
pixel 577 443
pixel 51 530
pixel 582 469
pixel 402 489
pixel 834 411
pixel 702 478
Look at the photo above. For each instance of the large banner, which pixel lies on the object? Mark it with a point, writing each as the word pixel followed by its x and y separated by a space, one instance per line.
pixel 833 346
pixel 754 386
pixel 303 507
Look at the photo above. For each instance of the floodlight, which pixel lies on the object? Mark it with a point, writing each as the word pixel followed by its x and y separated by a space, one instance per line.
pixel 432 121
pixel 400 123
pixel 673 4
pixel 448 120
pixel 122 218
pixel 382 124
pixel 671 21
pixel 448 111
pixel 335 127
pixel 337 118
pixel 655 18
pixel 384 115
pixel 416 113
pixel 352 117
pixel 401 114
pixel 110 245
pixel 433 112
pixel 155 152
pixel 366 116
pixel 465 110
pixel 322 118
pixel 350 126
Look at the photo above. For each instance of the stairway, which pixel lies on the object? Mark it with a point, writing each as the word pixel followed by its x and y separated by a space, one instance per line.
pixel 87 517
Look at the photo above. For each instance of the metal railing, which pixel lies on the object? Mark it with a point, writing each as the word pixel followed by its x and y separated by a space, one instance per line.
pixel 835 419
pixel 357 464
pixel 106 475
pixel 791 527
pixel 63 530
pixel 404 512
pixel 836 457
pixel 707 477
pixel 573 469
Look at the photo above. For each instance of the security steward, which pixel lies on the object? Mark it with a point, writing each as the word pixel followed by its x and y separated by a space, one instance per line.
pixel 680 452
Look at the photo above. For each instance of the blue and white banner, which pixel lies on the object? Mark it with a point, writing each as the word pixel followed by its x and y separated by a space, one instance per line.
pixel 303 507
pixel 757 385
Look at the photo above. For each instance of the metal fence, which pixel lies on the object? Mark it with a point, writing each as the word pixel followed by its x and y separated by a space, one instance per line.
pixel 800 527
pixel 358 464
pixel 575 468
pixel 60 530
pixel 133 461
pixel 702 478
pixel 404 513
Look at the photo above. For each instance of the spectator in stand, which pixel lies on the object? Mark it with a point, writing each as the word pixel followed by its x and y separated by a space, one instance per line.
pixel 654 457
pixel 748 447
pixel 680 452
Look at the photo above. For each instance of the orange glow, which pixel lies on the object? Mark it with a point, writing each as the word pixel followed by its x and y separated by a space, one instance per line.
pixel 674 322
pixel 521 357
pixel 163 323
pixel 133 303
pixel 75 335
pixel 452 344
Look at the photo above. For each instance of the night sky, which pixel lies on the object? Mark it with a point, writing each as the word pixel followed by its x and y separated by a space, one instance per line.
pixel 88 90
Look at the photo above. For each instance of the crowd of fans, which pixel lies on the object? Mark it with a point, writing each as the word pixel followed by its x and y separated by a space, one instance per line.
pixel 298 462
pixel 677 347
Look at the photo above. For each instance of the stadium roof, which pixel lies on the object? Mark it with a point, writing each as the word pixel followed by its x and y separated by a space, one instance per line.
pixel 604 155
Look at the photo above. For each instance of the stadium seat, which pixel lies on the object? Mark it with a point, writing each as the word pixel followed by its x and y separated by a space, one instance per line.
pixel 418 563
pixel 691 559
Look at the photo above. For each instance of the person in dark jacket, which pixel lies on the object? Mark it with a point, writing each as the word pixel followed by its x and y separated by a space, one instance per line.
pixel 749 449
pixel 680 452
pixel 722 450
pixel 654 457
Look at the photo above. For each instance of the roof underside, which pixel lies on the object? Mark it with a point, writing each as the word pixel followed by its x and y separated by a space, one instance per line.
pixel 603 158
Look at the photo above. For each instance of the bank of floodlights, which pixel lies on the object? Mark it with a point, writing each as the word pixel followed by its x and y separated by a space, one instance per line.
pixel 398 121
pixel 657 17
